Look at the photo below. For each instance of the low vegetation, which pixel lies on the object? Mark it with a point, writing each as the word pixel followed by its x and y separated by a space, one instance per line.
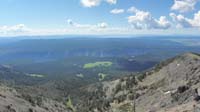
pixel 98 64
pixel 80 75
pixel 69 104
pixel 102 76
pixel 36 75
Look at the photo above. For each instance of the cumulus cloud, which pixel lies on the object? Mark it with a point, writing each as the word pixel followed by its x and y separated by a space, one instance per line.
pixel 93 3
pixel 90 3
pixel 111 1
pixel 133 10
pixel 98 29
pixel 184 5
pixel 144 20
pixel 117 11
pixel 183 22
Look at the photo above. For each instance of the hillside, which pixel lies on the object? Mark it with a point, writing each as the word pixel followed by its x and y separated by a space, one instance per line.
pixel 13 97
pixel 170 86
pixel 10 76
pixel 12 101
pixel 173 85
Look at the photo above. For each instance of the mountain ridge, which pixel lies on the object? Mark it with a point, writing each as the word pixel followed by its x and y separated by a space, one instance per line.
pixel 169 84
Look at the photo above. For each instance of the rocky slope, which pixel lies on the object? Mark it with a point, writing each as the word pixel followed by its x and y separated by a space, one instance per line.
pixel 14 98
pixel 170 86
pixel 12 101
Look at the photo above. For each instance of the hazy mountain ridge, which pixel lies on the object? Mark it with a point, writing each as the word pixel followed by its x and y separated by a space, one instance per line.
pixel 40 50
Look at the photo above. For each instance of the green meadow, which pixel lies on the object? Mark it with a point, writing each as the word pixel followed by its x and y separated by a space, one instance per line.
pixel 98 64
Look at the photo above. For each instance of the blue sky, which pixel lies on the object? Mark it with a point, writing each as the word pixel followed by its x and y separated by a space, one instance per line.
pixel 96 17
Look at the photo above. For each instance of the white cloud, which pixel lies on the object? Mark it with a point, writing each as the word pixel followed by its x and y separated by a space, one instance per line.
pixel 196 20
pixel 23 30
pixel 90 3
pixel 111 1
pixel 117 11
pixel 14 30
pixel 102 25
pixel 141 21
pixel 133 10
pixel 92 30
pixel 89 26
pixel 73 28
pixel 184 5
pixel 144 20
pixel 93 3
pixel 183 22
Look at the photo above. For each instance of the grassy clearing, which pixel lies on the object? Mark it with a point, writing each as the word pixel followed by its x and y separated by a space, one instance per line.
pixel 36 75
pixel 98 64
pixel 80 75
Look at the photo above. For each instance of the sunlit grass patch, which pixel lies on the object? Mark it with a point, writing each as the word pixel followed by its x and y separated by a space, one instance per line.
pixel 36 75
pixel 98 64
pixel 80 75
